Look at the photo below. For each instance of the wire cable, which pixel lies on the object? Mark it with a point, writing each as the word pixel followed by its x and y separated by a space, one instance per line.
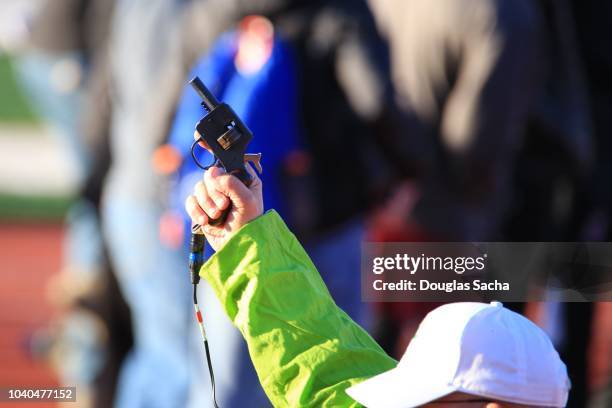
pixel 206 348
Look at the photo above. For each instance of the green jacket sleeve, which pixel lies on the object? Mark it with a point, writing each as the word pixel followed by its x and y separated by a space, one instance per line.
pixel 305 349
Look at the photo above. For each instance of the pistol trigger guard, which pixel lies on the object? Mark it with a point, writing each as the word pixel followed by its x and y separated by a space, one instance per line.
pixel 195 159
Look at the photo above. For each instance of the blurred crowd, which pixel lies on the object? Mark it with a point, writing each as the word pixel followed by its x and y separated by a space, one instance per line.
pixel 387 120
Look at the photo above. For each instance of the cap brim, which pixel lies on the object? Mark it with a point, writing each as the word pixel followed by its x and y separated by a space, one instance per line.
pixel 396 389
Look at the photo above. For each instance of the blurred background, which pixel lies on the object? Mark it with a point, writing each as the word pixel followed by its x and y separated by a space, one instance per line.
pixel 380 120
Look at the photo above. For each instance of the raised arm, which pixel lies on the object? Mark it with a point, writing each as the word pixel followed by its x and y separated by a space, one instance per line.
pixel 305 349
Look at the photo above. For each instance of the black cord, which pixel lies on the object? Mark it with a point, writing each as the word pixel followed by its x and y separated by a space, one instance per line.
pixel 212 375
pixel 208 359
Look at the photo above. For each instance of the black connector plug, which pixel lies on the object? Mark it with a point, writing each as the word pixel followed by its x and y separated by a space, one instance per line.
pixel 196 253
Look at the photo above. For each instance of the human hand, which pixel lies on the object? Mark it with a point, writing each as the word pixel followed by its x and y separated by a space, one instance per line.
pixel 214 194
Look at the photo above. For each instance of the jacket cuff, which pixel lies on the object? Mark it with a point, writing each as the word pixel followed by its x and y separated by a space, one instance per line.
pixel 260 236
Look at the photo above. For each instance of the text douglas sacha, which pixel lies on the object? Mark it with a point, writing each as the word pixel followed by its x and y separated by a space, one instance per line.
pixel 452 286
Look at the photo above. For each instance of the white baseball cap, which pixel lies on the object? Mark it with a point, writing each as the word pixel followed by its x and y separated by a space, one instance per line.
pixel 480 349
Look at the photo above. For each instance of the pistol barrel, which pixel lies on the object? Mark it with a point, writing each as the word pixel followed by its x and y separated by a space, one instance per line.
pixel 210 102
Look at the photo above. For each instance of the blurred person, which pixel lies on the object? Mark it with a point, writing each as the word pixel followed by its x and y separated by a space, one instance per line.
pixel 143 47
pixel 57 67
pixel 465 71
pixel 307 351
pixel 497 89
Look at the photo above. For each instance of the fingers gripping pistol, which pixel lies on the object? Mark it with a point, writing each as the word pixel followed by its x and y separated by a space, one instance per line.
pixel 227 137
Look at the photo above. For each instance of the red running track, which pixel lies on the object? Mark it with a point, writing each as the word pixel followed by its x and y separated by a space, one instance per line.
pixel 29 255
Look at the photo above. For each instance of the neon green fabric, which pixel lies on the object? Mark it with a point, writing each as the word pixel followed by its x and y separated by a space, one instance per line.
pixel 305 349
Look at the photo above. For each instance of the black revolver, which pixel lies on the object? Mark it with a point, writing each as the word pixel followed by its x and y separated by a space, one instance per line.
pixel 227 136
